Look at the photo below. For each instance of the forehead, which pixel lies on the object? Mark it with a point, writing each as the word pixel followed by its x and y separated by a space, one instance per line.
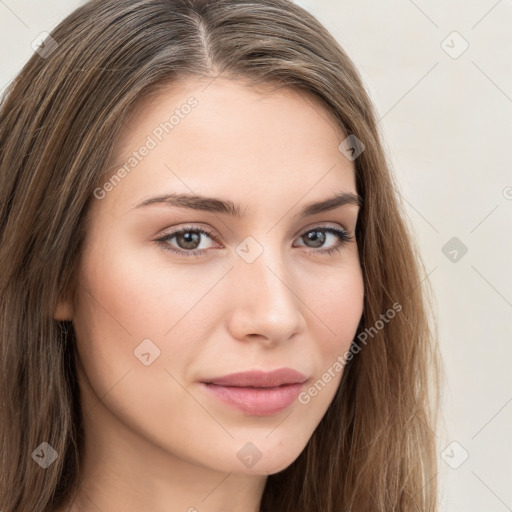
pixel 212 137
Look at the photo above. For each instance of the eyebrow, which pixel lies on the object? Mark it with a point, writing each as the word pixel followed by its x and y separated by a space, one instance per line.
pixel 227 207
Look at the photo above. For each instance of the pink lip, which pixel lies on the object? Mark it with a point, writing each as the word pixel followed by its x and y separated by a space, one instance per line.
pixel 259 378
pixel 257 392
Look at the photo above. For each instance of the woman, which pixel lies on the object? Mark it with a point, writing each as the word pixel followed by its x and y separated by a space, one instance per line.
pixel 209 296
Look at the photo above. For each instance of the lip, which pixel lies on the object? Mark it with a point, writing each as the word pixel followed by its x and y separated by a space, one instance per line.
pixel 259 378
pixel 257 392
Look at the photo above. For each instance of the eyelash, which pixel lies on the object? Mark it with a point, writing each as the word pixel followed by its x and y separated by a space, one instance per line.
pixel 343 237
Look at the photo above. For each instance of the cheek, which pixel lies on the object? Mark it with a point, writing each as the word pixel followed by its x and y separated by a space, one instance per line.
pixel 334 307
pixel 128 297
pixel 338 303
pixel 124 308
pixel 133 293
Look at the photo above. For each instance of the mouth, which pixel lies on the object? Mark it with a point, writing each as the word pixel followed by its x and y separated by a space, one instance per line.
pixel 256 401
pixel 257 393
pixel 260 378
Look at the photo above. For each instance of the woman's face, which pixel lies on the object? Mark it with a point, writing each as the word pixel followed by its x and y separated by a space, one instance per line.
pixel 156 320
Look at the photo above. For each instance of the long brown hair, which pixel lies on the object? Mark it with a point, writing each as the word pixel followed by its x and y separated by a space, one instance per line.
pixel 374 449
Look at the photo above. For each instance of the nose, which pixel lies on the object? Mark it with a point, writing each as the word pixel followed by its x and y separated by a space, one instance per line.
pixel 264 304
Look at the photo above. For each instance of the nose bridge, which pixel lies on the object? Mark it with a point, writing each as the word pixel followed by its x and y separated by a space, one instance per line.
pixel 264 303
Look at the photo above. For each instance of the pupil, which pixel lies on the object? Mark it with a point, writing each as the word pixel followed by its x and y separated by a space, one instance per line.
pixel 190 239
pixel 318 237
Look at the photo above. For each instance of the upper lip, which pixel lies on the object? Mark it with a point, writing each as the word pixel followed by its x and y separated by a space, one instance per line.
pixel 260 378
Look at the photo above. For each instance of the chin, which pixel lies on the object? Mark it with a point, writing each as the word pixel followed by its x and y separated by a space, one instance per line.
pixel 271 463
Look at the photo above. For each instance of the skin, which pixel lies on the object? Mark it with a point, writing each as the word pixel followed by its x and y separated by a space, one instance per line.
pixel 154 439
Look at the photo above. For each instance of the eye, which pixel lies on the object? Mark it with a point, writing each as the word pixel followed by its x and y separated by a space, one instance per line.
pixel 188 240
pixel 320 234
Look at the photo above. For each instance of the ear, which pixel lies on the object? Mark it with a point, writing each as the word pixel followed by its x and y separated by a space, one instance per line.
pixel 64 309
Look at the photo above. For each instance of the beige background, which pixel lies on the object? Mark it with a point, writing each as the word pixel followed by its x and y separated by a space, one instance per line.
pixel 447 119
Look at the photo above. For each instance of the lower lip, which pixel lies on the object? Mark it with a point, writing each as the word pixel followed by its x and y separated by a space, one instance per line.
pixel 256 401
